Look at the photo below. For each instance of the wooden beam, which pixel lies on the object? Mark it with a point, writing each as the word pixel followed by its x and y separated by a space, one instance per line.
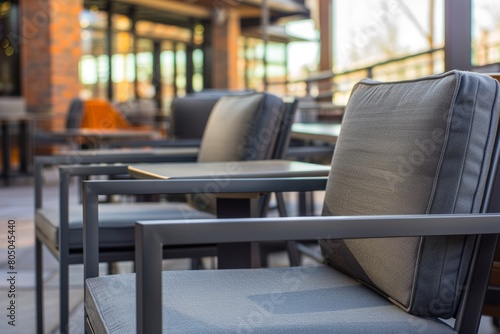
pixel 188 9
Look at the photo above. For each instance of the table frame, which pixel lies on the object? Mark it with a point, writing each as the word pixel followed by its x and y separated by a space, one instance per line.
pixel 24 125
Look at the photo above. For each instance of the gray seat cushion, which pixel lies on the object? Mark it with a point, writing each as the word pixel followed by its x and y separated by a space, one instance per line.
pixel 283 300
pixel 413 147
pixel 116 221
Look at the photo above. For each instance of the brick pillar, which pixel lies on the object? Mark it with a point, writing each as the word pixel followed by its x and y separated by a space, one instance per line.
pixel 50 48
pixel 225 51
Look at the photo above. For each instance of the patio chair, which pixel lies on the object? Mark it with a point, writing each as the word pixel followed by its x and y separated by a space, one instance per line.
pixel 189 116
pixel 60 228
pixel 404 232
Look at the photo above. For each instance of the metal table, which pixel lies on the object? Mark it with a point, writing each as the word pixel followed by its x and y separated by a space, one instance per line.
pixel 23 120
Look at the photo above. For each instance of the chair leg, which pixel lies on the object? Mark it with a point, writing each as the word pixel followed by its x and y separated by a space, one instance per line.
pixel 281 204
pixel 293 253
pixel 263 258
pixel 291 246
pixel 63 294
pixel 39 285
pixel 196 263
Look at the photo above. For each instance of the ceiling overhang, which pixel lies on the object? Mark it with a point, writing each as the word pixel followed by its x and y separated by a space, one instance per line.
pixel 274 33
pixel 183 12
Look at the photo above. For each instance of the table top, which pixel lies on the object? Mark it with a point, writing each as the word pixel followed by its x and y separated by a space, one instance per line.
pixel 127 152
pixel 235 169
pixel 15 117
pixel 316 131
pixel 105 133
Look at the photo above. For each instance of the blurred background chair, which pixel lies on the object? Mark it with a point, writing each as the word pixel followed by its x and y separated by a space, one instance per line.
pixel 15 129
pixel 44 138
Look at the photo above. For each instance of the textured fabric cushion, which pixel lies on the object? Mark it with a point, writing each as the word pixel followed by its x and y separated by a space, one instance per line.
pixel 239 128
pixel 190 113
pixel 413 147
pixel 116 221
pixel 285 300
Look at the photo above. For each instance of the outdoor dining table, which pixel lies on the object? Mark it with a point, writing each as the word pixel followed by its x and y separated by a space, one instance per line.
pixel 233 205
pixel 23 121
pixel 327 132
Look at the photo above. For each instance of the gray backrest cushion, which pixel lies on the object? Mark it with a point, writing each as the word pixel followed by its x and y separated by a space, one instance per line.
pixel 412 147
pixel 240 127
pixel 190 115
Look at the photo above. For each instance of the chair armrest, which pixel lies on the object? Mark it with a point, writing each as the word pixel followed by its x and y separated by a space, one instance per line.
pixel 92 189
pixel 151 236
pixel 90 170
pixel 67 171
pixel 124 156
pixel 99 157
pixel 181 232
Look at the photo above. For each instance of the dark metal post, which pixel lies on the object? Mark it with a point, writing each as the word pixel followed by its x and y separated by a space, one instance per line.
pixel 457 32
pixel 109 43
pixel 5 153
pixel 132 15
pixel 189 62
pixel 238 255
pixel 157 73
pixel 176 48
pixel 265 38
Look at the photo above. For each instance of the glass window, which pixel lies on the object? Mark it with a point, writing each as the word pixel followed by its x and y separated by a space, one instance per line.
pixel 198 70
pixel 88 70
pixel 485 32
pixel 368 32
pixel 94 67
pixel 167 64
pixel 180 79
pixel 145 88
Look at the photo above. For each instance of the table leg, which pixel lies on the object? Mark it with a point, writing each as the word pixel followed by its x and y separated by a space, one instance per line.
pixel 5 153
pixel 238 255
pixel 24 146
pixel 306 203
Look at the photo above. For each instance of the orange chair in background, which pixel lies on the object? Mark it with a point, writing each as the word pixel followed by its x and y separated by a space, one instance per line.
pixel 100 114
